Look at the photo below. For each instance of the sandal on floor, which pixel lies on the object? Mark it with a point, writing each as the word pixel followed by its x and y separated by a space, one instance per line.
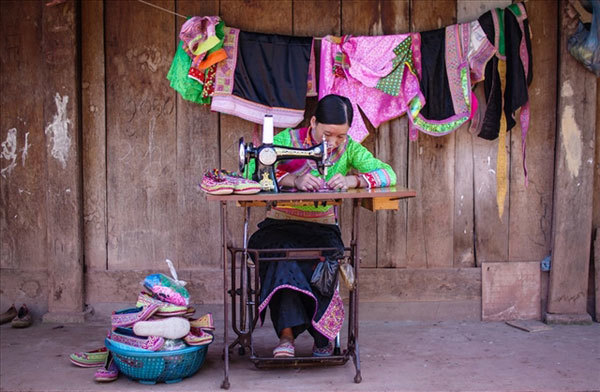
pixel 326 351
pixel 107 373
pixel 89 359
pixel 284 350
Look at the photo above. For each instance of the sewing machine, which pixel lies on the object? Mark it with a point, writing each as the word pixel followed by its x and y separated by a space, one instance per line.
pixel 267 154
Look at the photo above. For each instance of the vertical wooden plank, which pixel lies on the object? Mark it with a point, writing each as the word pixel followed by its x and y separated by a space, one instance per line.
pixel 316 18
pixel 362 18
pixel 258 16
pixel 23 149
pixel 93 117
pixel 60 51
pixel 430 237
pixel 392 147
pixel 464 246
pixel 141 142
pixel 573 185
pixel 305 24
pixel 596 213
pixel 491 232
pixel 530 221
pixel 198 229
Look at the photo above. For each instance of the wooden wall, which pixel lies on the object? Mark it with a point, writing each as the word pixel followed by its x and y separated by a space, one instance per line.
pixel 144 150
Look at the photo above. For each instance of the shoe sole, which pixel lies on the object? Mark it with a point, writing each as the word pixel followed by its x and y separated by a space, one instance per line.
pixel 283 355
pixel 170 328
pixel 105 379
pixel 86 365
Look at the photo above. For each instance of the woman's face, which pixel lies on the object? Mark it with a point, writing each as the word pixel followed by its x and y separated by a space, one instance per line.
pixel 335 134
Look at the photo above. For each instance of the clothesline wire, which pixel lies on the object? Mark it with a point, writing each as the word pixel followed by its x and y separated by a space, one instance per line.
pixel 183 16
pixel 163 9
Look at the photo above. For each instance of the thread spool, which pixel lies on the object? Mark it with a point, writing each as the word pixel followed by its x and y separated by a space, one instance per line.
pixel 268 129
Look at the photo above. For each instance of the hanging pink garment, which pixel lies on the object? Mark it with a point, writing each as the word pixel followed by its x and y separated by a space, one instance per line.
pixel 361 62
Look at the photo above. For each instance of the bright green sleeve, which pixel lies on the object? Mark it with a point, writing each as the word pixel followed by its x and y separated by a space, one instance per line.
pixel 376 172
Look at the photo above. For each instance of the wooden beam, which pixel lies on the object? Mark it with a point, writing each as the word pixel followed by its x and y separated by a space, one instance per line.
pixel 198 221
pixel 23 163
pixel 430 241
pixel 572 210
pixel 60 51
pixel 93 117
pixel 391 146
pixel 530 217
pixel 142 138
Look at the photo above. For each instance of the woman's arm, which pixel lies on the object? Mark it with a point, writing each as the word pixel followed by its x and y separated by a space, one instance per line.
pixel 373 173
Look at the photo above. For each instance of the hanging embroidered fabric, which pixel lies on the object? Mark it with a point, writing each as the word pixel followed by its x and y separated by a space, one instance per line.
pixel 511 36
pixel 193 90
pixel 192 71
pixel 204 61
pixel 365 69
pixel 265 74
pixel 451 60
pixel 507 77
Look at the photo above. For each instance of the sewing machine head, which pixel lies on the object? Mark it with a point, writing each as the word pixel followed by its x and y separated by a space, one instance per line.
pixel 268 154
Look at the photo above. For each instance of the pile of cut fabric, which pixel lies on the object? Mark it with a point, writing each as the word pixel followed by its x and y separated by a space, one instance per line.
pixel 161 320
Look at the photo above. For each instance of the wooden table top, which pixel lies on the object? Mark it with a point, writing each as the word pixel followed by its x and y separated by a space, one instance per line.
pixel 391 193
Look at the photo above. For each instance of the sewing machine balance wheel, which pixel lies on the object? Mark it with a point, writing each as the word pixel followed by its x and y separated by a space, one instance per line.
pixel 242 155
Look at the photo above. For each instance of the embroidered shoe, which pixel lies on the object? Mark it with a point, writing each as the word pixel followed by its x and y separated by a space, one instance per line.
pixel 242 186
pixel 198 337
pixel 22 319
pixel 89 359
pixel 190 312
pixel 127 337
pixel 285 349
pixel 128 317
pixel 205 322
pixel 108 373
pixel 216 184
pixel 7 316
pixel 170 328
pixel 326 351
pixel 164 308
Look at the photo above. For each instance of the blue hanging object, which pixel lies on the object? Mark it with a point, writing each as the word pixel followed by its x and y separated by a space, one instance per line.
pixel 546 264
pixel 584 45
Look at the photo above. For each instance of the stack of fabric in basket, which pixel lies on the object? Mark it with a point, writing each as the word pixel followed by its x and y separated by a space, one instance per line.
pixel 161 320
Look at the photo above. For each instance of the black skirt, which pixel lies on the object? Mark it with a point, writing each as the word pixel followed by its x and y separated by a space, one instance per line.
pixel 324 314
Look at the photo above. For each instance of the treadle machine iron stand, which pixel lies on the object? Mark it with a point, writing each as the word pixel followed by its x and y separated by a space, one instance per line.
pixel 245 291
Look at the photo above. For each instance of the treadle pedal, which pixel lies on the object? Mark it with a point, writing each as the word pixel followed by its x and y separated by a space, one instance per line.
pixel 270 362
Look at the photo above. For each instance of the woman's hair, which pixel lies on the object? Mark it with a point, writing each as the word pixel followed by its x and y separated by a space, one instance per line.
pixel 334 109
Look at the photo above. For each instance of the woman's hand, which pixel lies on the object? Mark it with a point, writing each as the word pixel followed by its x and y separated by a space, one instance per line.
pixel 340 182
pixel 307 183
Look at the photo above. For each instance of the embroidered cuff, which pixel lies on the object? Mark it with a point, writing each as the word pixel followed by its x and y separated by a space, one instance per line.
pixel 376 179
pixel 280 174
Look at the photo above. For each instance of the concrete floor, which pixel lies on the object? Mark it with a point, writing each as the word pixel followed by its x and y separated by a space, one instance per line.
pixel 396 356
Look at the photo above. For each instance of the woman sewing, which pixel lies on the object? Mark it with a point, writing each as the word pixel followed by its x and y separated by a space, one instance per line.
pixel 285 286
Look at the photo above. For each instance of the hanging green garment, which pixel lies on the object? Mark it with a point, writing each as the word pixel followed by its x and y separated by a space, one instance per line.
pixel 189 88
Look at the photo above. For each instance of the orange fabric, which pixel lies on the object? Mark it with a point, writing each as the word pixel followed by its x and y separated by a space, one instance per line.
pixel 213 58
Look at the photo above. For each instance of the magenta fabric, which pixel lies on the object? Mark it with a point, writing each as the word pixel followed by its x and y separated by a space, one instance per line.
pixel 370 59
